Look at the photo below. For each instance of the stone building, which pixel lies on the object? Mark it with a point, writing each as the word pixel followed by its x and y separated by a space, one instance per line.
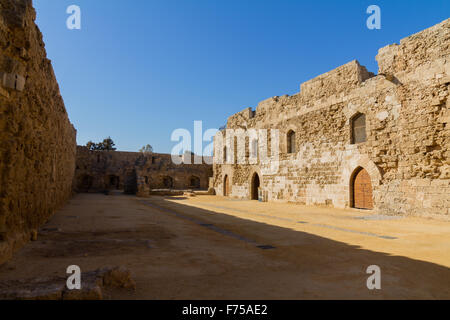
pixel 37 149
pixel 136 172
pixel 350 138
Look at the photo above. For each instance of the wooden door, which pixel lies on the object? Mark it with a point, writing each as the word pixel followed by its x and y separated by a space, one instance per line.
pixel 362 191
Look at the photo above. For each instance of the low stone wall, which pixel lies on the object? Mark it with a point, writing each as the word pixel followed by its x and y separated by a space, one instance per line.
pixel 37 150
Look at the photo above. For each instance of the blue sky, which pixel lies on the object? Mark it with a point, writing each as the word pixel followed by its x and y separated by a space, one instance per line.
pixel 139 69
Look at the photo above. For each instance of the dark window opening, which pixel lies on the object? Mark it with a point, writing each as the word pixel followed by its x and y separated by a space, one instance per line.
pixel 114 181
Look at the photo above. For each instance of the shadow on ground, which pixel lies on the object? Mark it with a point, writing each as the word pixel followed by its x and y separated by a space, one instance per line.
pixel 176 251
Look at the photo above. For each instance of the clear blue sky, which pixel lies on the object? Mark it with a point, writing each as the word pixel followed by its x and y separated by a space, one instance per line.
pixel 138 69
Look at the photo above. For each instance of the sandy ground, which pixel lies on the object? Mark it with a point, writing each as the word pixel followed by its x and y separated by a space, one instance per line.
pixel 208 247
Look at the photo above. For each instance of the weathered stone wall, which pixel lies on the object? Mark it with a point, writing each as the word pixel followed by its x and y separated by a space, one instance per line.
pixel 37 149
pixel 134 172
pixel 406 154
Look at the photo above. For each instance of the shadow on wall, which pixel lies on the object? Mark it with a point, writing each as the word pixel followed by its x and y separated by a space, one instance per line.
pixel 309 266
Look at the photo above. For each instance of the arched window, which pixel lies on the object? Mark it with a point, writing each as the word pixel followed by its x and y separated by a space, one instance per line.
pixel 254 148
pixel 291 142
pixel 358 126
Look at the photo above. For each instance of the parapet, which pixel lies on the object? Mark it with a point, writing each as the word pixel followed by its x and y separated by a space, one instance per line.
pixel 341 79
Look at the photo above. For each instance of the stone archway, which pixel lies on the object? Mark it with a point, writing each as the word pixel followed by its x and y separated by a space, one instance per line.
pixel 255 184
pixel 361 193
pixel 226 186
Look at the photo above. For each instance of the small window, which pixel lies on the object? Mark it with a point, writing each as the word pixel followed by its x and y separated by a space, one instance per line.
pixel 291 142
pixel 254 148
pixel 358 125
pixel 225 155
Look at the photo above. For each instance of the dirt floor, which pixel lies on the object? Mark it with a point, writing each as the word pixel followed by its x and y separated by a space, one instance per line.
pixel 210 247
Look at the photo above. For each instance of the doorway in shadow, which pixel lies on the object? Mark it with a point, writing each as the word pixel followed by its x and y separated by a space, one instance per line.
pixel 254 187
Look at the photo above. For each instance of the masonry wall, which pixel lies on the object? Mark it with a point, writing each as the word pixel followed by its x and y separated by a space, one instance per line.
pixel 134 172
pixel 407 110
pixel 37 149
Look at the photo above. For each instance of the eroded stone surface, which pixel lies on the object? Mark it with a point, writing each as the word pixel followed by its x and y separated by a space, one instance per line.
pixel 55 288
pixel 37 149
pixel 406 154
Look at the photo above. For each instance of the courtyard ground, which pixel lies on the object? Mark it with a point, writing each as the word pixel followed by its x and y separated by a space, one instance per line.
pixel 211 247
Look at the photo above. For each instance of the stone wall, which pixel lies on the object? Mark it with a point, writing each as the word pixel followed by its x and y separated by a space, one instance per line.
pixel 135 172
pixel 406 154
pixel 37 150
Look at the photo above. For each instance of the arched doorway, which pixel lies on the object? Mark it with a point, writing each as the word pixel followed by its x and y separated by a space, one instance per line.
pixel 361 190
pixel 254 187
pixel 194 182
pixel 168 182
pixel 226 186
pixel 85 183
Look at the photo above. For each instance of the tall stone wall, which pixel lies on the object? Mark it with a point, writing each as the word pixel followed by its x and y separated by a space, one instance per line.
pixel 406 154
pixel 135 172
pixel 37 158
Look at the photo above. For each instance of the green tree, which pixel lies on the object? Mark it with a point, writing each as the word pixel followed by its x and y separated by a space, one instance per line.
pixel 146 149
pixel 106 145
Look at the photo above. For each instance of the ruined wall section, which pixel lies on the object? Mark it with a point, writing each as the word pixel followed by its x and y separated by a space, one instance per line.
pixel 407 147
pixel 97 171
pixel 418 50
pixel 37 158
pixel 101 167
pixel 420 68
